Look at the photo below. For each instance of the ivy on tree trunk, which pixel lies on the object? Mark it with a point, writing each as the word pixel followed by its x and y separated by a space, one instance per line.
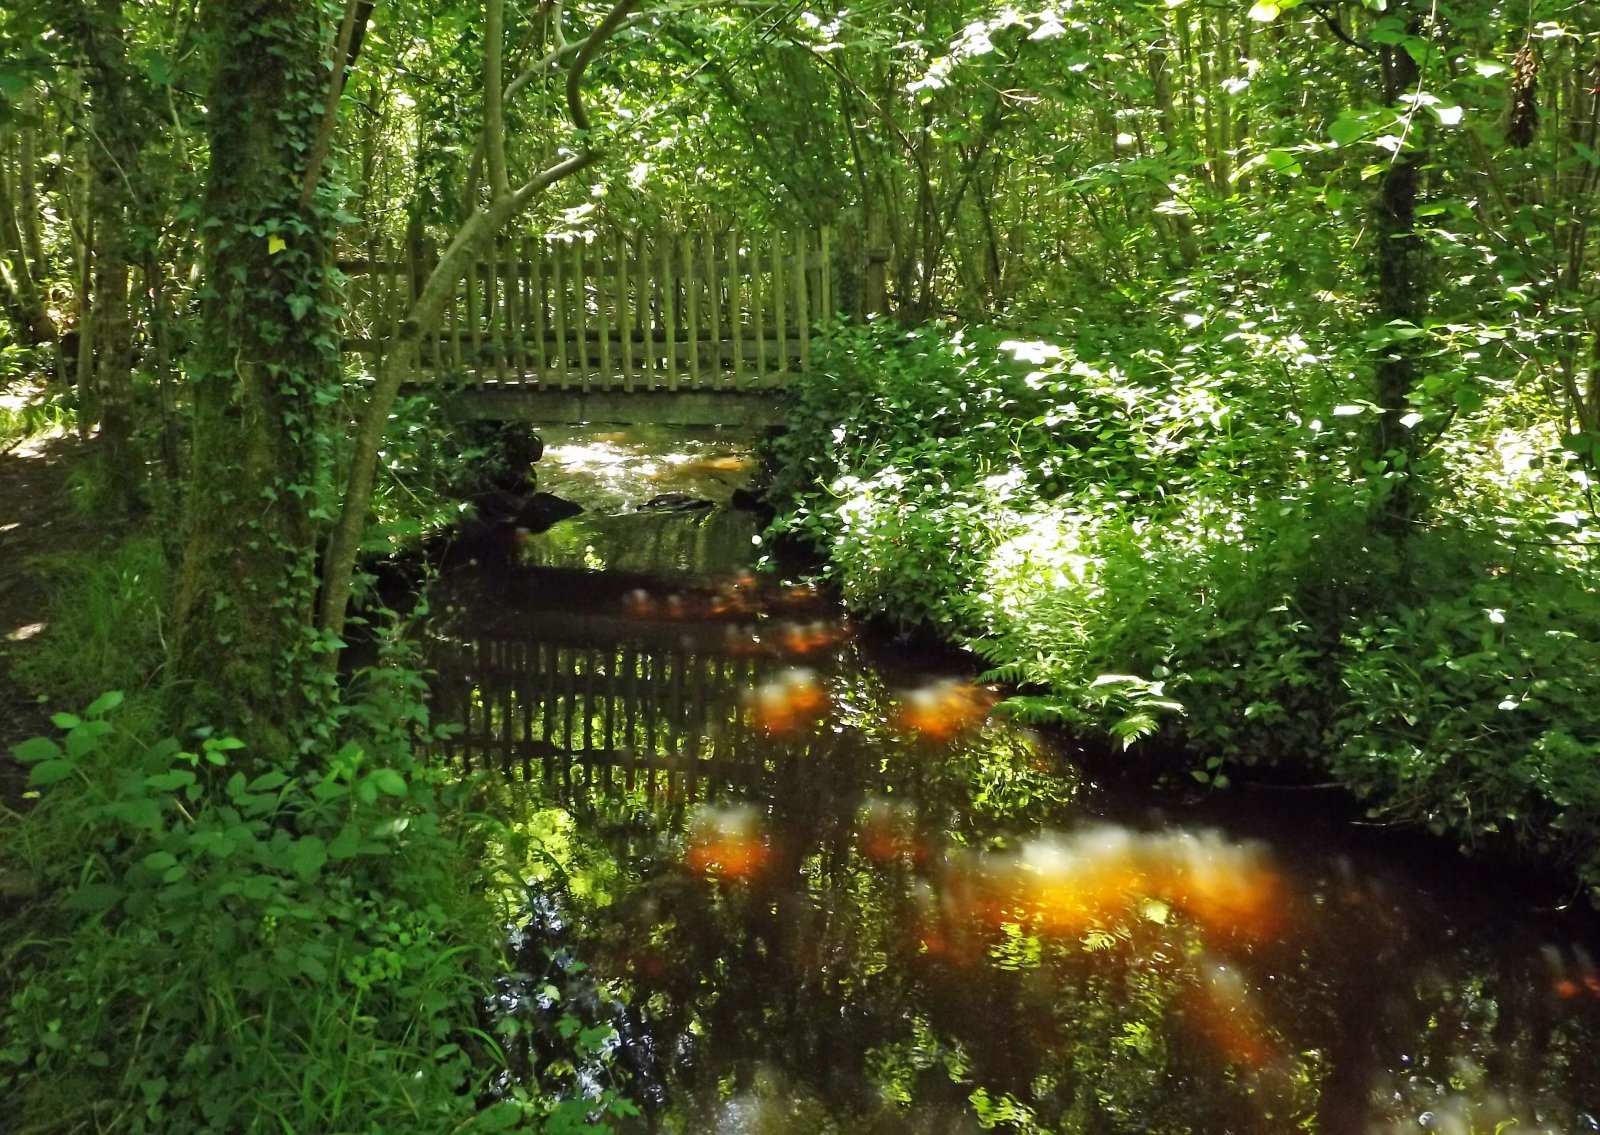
pixel 265 363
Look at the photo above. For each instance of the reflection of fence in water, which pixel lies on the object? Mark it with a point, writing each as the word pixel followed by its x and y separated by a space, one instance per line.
pixel 619 713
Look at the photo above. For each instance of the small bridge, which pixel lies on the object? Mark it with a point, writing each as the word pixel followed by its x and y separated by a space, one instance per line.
pixel 697 329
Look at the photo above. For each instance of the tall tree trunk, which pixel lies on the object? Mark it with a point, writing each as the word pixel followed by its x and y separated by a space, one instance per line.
pixel 1402 295
pixel 116 139
pixel 266 350
pixel 19 274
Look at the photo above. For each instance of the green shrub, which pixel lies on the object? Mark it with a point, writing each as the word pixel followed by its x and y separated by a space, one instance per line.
pixel 226 949
pixel 1475 712
pixel 1156 544
pixel 222 947
pixel 105 624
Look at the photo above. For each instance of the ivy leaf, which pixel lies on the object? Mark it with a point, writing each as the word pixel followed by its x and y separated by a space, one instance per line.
pixel 275 245
pixel 299 305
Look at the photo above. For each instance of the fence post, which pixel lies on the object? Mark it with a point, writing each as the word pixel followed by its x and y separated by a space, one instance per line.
pixel 780 314
pixel 735 311
pixel 691 304
pixel 558 308
pixel 800 306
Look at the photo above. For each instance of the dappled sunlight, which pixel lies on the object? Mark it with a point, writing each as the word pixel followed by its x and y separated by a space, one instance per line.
pixel 618 470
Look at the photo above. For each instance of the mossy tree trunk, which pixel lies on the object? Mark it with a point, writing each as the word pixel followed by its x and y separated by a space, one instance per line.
pixel 265 362
pixel 116 141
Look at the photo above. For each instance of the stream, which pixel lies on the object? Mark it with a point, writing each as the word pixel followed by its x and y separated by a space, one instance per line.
pixel 816 885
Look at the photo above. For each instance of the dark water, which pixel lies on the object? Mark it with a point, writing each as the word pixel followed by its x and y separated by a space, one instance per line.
pixel 819 887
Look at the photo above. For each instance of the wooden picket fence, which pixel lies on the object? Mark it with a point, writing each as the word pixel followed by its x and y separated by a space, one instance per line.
pixel 620 312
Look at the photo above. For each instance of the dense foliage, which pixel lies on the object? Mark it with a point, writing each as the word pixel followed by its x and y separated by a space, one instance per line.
pixel 1222 373
pixel 1150 542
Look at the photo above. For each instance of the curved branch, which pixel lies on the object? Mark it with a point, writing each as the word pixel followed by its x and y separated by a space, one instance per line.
pixel 340 63
pixel 1337 29
pixel 608 27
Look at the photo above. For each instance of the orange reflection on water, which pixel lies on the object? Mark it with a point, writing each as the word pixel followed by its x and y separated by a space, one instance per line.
pixel 1572 972
pixel 728 463
pixel 888 833
pixel 1227 887
pixel 728 843
pixel 943 709
pixel 806 638
pixel 795 697
pixel 1223 1009
pixel 1067 885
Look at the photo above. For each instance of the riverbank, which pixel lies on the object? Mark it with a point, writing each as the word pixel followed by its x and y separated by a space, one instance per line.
pixel 1174 548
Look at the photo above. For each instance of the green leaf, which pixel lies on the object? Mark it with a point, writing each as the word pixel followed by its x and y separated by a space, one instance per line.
pixel 94 897
pixel 170 781
pixel 502 1116
pixel 275 245
pixel 299 305
pixel 159 860
pixel 50 772
pixel 104 704
pixel 1347 131
pixel 1264 12
pixel 346 843
pixel 388 782
pixel 36 749
pixel 65 720
pixel 306 857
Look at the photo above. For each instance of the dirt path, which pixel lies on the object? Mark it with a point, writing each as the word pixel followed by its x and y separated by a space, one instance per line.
pixel 36 519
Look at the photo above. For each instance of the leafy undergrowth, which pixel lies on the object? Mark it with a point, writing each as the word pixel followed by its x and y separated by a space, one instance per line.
pixel 1183 541
pixel 198 940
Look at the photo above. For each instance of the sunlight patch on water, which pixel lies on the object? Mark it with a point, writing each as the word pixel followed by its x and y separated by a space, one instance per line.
pixel 619 470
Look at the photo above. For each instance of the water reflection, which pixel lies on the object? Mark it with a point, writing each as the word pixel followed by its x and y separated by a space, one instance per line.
pixel 833 892
pixel 617 471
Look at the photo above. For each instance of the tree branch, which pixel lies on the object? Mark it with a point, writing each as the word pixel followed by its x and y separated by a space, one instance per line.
pixel 494 117
pixel 608 27
pixel 1338 30
pixel 341 61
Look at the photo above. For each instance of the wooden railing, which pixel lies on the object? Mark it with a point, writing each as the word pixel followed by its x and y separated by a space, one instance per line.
pixel 712 311
pixel 622 712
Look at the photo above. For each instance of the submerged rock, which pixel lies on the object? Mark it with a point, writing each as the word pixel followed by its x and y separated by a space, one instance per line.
pixel 675 502
pixel 540 510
